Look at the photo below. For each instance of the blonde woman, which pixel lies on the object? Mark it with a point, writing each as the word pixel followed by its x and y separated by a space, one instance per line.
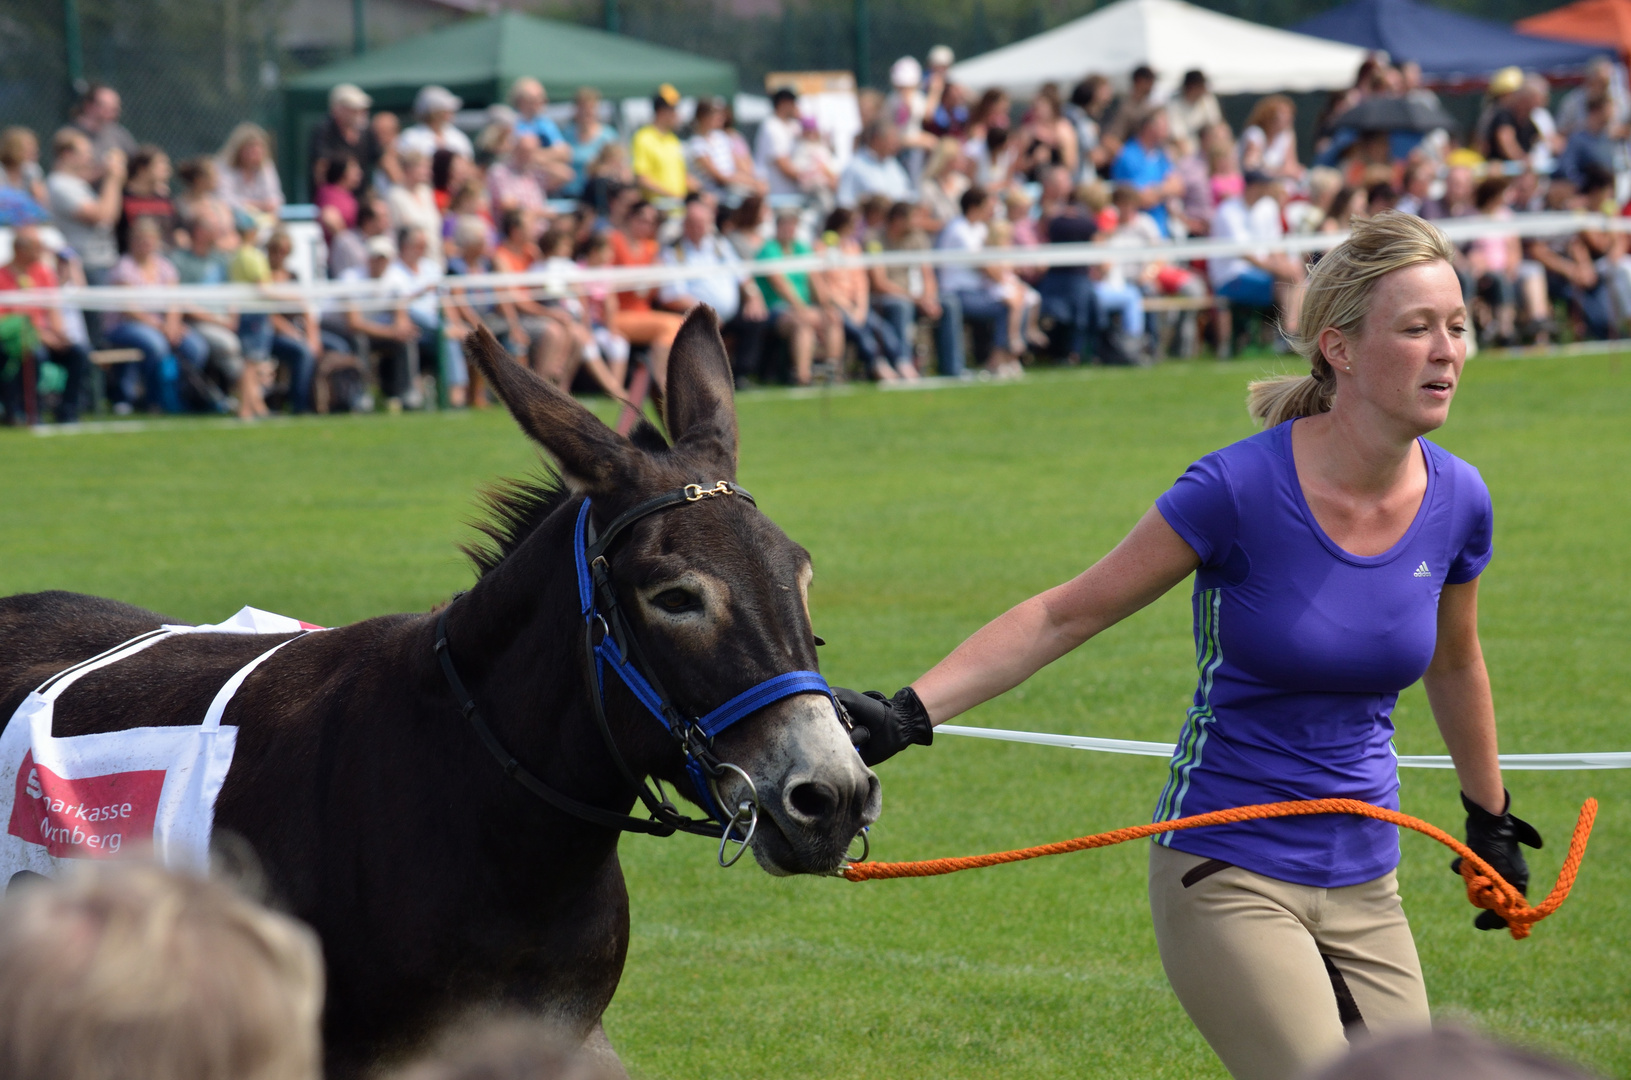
pixel 1336 558
pixel 248 176
pixel 1269 142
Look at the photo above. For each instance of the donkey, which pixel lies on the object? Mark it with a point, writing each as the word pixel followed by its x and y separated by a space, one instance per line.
pixel 438 883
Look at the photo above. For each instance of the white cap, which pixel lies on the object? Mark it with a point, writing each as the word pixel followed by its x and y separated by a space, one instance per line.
pixel 381 247
pixel 905 72
pixel 436 99
pixel 349 96
pixel 941 56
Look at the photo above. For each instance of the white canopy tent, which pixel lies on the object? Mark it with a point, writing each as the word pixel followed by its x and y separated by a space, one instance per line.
pixel 1172 37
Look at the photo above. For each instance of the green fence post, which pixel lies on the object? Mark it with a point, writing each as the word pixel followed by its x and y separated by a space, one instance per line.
pixel 71 45
pixel 359 26
pixel 612 18
pixel 863 44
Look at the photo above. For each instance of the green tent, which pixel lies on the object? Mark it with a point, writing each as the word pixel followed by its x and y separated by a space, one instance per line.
pixel 478 59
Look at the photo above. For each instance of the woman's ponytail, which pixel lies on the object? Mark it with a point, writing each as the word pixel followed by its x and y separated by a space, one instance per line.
pixel 1273 401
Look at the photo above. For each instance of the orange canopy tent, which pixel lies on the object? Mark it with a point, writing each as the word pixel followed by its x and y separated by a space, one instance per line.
pixel 1605 22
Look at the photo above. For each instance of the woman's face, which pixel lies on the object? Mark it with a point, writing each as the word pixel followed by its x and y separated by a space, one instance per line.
pixel 644 224
pixel 144 242
pixel 1405 364
pixel 252 155
pixel 277 253
pixel 413 248
pixel 1042 111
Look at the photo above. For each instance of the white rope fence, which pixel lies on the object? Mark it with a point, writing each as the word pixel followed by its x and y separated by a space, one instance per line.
pixel 485 289
pixel 1532 762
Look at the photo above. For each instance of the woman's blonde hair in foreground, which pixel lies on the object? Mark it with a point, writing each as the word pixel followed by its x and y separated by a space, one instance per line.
pixel 125 971
pixel 1338 295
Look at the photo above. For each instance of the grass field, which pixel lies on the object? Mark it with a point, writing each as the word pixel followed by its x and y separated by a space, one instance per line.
pixel 928 513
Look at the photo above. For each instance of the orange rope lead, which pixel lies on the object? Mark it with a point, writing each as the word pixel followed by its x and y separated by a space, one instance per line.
pixel 1485 888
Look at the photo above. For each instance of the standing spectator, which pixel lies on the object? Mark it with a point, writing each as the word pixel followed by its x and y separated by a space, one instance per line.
pixel 529 99
pixel 97 117
pixel 735 298
pixel 163 337
pixel 386 129
pixel 201 188
pixel 587 137
pixel 774 145
pixel 146 194
pixel 249 180
pixel 1046 139
pixel 713 155
pixel 390 335
pixel 1195 108
pixel 1600 82
pixel 1128 111
pixel 1089 110
pixel 344 133
pixel 966 285
pixel 950 119
pixel 1269 143
pixel 798 312
pixel 659 158
pixel 86 215
pixel 636 320
pixel 943 183
pixel 1548 143
pixel 30 268
pixel 203 263
pixel 1512 131
pixel 515 182
pixel 20 172
pixel 1264 278
pixel 903 294
pixel 435 106
pixel 1592 145
pixel 874 169
pixel 1144 164
pixel 883 354
pixel 413 202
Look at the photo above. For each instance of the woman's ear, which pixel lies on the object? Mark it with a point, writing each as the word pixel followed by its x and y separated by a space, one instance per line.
pixel 1333 345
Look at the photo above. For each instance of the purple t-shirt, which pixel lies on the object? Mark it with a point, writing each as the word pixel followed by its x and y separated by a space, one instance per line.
pixel 1302 650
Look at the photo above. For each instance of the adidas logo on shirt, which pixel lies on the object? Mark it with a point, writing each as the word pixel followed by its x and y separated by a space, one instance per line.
pixel 1422 571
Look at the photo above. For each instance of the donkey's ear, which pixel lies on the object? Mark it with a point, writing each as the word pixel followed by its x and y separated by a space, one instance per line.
pixel 700 405
pixel 592 457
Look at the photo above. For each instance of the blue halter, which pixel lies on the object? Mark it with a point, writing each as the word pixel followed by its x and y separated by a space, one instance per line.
pixel 617 649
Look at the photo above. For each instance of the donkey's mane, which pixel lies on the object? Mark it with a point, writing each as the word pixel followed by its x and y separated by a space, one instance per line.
pixel 515 508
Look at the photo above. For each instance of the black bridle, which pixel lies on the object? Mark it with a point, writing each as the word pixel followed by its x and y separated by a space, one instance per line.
pixel 610 643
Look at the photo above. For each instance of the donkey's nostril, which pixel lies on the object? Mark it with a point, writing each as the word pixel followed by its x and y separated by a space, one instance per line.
pixel 815 802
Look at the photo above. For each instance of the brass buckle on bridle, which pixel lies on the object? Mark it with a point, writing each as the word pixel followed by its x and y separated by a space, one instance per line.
pixel 696 492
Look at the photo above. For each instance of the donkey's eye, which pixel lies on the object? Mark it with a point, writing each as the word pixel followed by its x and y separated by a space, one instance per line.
pixel 677 601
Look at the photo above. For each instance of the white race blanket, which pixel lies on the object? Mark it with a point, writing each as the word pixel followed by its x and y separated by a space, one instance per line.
pixel 100 796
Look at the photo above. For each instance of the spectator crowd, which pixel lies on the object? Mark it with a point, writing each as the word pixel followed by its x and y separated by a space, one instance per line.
pixel 417 203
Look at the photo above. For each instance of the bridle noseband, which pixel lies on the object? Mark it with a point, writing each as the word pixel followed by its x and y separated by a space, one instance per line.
pixel 609 643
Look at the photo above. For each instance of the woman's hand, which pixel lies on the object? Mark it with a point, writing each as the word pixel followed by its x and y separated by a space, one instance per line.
pixel 883 727
pixel 1495 839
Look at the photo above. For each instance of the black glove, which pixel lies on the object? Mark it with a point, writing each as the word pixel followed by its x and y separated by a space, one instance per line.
pixel 1495 839
pixel 883 727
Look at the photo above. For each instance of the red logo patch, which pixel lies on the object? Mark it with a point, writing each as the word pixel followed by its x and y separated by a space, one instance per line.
pixel 87 817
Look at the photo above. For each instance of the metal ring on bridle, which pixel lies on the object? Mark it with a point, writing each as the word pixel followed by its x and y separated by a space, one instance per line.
pixel 747 813
pixel 866 847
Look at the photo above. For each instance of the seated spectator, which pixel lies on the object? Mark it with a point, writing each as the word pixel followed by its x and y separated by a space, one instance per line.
pixel 1266 278
pixel 1144 164
pixel 799 314
pixel 86 215
pixel 389 335
pixel 814 161
pixel 1195 108
pixel 338 189
pixel 201 189
pixel 847 295
pixel 249 180
pixel 96 116
pixel 587 136
pixel 348 248
pixel 146 194
pixel 1269 142
pixel 600 308
pixel 413 202
pixel 23 197
pixel 1068 293
pixel 967 232
pixel 1592 145
pixel 41 331
pixel 473 243
pixel 435 106
pixel 658 157
pixel 1417 197
pixel 903 294
pixel 742 312
pixel 297 341
pixel 1046 139
pixel 943 183
pixel 609 175
pixel 1004 283
pixel 1494 263
pixel 579 347
pixel 553 159
pixel 874 169
pixel 168 346
pixel 773 147
pixel 121 969
pixel 250 266
pixel 636 245
pixel 742 227
pixel 1571 268
pixel 414 275
pixel 387 130
pixel 204 263
pixel 532 331
pixel 713 158
pixel 516 182
pixel 344 133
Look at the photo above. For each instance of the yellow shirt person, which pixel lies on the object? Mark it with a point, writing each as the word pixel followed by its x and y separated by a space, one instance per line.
pixel 659 158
